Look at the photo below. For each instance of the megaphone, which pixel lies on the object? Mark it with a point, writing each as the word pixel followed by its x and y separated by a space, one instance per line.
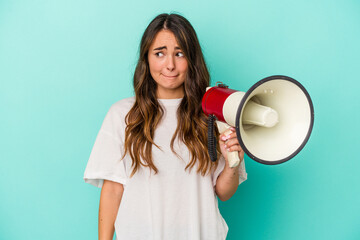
pixel 273 119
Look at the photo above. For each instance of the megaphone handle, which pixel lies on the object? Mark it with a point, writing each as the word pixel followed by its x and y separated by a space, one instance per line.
pixel 233 157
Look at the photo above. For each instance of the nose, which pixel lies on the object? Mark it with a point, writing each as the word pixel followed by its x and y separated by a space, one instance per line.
pixel 170 64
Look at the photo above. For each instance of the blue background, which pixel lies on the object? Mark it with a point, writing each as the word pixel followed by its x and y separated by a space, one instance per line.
pixel 63 63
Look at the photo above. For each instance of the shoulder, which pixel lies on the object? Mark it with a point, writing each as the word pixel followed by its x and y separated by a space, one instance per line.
pixel 119 109
pixel 122 106
pixel 114 121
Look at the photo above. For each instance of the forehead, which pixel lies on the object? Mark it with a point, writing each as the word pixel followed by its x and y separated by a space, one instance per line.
pixel 164 38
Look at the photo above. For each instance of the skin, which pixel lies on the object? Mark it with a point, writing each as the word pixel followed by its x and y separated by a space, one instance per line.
pixel 168 67
pixel 228 181
pixel 110 198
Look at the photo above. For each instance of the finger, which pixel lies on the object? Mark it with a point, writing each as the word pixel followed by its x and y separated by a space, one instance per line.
pixel 225 135
pixel 222 144
pixel 234 148
pixel 232 142
pixel 232 135
pixel 228 134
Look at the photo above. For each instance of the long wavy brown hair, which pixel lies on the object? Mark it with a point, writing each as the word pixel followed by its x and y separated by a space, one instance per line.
pixel 146 113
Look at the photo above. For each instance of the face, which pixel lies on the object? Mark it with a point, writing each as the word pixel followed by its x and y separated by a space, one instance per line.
pixel 168 65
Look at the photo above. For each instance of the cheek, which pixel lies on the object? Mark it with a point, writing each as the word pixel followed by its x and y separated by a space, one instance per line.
pixel 155 65
pixel 183 67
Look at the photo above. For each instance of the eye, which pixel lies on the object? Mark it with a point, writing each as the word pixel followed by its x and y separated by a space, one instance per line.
pixel 180 54
pixel 159 54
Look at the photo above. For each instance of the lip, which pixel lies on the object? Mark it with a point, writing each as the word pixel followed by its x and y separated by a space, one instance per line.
pixel 170 76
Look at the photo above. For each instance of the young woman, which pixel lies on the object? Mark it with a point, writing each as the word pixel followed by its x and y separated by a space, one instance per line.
pixel 150 156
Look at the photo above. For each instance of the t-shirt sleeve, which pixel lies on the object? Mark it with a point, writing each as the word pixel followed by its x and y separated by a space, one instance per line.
pixel 220 168
pixel 105 162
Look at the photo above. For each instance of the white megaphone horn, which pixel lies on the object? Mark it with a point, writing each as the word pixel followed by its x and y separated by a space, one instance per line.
pixel 273 119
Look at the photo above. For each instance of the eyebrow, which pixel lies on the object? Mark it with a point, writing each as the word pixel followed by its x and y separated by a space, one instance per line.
pixel 164 47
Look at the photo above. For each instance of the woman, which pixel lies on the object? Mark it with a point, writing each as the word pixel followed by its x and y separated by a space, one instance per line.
pixel 150 156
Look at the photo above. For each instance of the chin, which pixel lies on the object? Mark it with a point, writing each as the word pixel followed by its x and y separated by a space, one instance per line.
pixel 172 87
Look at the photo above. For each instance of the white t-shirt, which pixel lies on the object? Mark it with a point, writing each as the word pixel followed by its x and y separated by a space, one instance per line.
pixel 172 204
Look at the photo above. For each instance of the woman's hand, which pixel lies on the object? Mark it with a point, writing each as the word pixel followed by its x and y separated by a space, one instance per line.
pixel 228 180
pixel 229 143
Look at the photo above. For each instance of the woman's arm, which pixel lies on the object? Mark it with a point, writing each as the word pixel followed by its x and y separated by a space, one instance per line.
pixel 110 198
pixel 228 181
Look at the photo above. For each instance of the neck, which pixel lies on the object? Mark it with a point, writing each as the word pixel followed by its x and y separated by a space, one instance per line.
pixel 178 93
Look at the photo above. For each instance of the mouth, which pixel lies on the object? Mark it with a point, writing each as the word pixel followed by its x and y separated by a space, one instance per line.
pixel 167 76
